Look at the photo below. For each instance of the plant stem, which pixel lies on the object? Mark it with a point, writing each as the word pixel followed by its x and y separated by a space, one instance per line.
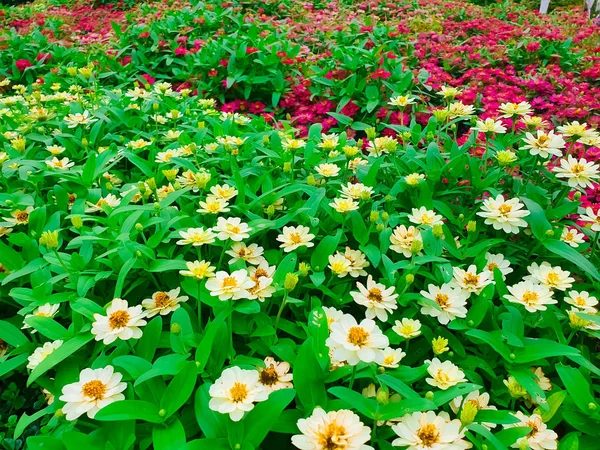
pixel 595 244
pixel 65 267
pixel 352 377
pixel 283 302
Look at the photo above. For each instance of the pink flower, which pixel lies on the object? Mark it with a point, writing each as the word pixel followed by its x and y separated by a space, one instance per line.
pixel 23 64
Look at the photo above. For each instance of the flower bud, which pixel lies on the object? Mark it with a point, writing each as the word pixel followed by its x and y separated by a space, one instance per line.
pixel 380 227
pixel 291 280
pixel 151 182
pixel 201 125
pixel 385 216
pixel 549 233
pixel 374 217
pixel 304 268
pixel 429 395
pixel 155 106
pixel 77 222
pixel 139 227
pixel 49 239
pixel 162 412
pixel 439 345
pixel 175 328
pixel 438 231
pixel 310 180
pixel 514 388
pixel 592 406
pixel 416 247
pixel 84 142
pixel 383 396
pixel 409 279
pixel 270 210
pixel 371 133
pixel 287 167
pixel 471 226
pixel 171 174
pixel 156 207
pixel 577 196
pixel 468 413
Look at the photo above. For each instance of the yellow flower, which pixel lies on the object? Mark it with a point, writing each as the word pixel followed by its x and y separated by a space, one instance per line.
pixel 198 270
pixel 439 345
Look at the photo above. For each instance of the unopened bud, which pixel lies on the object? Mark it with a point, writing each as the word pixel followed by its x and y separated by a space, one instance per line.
pixel 84 142
pixel 374 217
pixel 175 328
pixel 151 182
pixel 310 180
pixel 429 395
pixel 471 226
pixel 577 195
pixel 468 413
pixel 49 239
pixel 371 133
pixel 155 106
pixel 157 207
pixel 382 397
pixel 385 216
pixel 139 227
pixel 162 412
pixel 438 231
pixel 291 280
pixel 304 268
pixel 287 166
pixel 549 233
pixel 416 246
pixel 380 227
pixel 409 279
pixel 77 222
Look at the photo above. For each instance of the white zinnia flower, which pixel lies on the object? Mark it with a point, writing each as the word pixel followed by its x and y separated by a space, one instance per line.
pixel 354 342
pixel 552 277
pixel 275 375
pixel 339 430
pixel 582 300
pixel 490 125
pixel 224 191
pixel 234 286
pixel 163 302
pixel 539 438
pixel 294 237
pixel 61 164
pixel 572 236
pixel 235 392
pixel 110 200
pixel 232 228
pixel 424 216
pixel 470 281
pixel 213 205
pixel 506 215
pixel 479 401
pixel 402 239
pixel 497 261
pixel 390 357
pixel 533 296
pixel 593 217
pixel 578 172
pixel 121 321
pixel 444 374
pixel 339 265
pixel 544 144
pixel 450 300
pixel 252 254
pixel 95 389
pixel 196 237
pixel 45 310
pixel 358 262
pixel 327 170
pixel 407 328
pixel 198 270
pixel 509 110
pixel 41 353
pixel 378 299
pixel 429 431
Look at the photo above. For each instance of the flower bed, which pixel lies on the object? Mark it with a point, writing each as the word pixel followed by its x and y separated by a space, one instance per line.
pixel 325 226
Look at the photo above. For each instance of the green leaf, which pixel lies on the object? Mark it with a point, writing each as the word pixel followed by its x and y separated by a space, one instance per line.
pixel 495 416
pixel 569 442
pixel 537 219
pixel 170 437
pixel 179 389
pixel 261 419
pixel 47 327
pixel 12 335
pixel 366 406
pixel 320 257
pixel 212 423
pixel 309 379
pixel 577 386
pixel 146 347
pixel 567 252
pixel 25 420
pixel 128 410
pixel 553 403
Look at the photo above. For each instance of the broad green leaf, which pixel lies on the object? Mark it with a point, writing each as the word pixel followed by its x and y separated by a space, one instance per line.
pixel 130 410
pixel 179 389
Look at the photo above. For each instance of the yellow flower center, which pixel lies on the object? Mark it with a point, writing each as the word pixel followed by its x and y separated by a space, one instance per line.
pixel 22 217
pixel 389 360
pixel 505 208
pixel 295 238
pixel 580 301
pixel 357 336
pixel 426 219
pixel 118 319
pixel 429 435
pixel 577 168
pixel 534 429
pixel 442 377
pixel 471 279
pixel 229 282
pixel 233 229
pixel 94 389
pixel 530 297
pixel 238 392
pixel 552 278
pixel 332 437
pixel 269 376
pixel 442 300
pixel 491 266
pixel 542 141
pixel 375 295
pixel 162 300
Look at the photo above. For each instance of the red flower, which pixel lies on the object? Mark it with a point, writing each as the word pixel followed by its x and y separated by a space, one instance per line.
pixel 23 64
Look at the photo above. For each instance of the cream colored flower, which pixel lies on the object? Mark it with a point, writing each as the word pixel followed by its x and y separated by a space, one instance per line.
pixel 429 431
pixel 213 205
pixel 413 179
pixel 275 375
pixel 506 215
pixel 232 228
pixel 578 172
pixel 41 353
pixel 95 389
pixel 533 296
pixel 333 315
pixel 358 262
pixel 444 374
pixel 592 217
pixel 544 144
pixel 424 216
pixel 196 237
pixel 497 261
pixel 552 277
pixel 572 236
pixel 402 101
pixel 470 281
pixel 449 92
pixel 390 357
pixel 509 110
pixel 163 302
pixel 574 129
pixel 62 164
pixel 407 328
pixel 378 299
pixel 539 438
pixel 198 270
pixel 45 310
pixel 344 205
pixel 120 322
pixel 354 342
pixel 167 155
pixel 458 110
pixel 450 300
pixel 19 216
pixel 110 200
pixel 252 254
pixel 339 265
pixel 357 191
pixel 226 286
pixel 490 125
pixel 294 237
pixel 235 392
pixel 72 120
pixel 582 300
pixel 334 430
pixel 327 170
pixel 262 288
pixel 224 191
pixel 403 238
